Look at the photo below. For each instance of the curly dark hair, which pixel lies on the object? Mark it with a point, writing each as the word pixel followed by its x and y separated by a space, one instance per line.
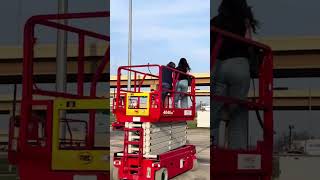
pixel 239 9
pixel 183 65
pixel 171 64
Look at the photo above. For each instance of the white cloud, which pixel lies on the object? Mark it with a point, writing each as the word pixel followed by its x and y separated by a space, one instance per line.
pixel 144 33
pixel 156 8
pixel 168 28
pixel 172 8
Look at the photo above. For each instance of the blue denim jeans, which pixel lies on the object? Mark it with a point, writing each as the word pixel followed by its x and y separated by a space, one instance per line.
pixel 182 86
pixel 231 78
pixel 165 88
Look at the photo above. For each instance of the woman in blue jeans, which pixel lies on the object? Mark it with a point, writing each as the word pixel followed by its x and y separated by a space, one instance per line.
pixel 231 75
pixel 182 84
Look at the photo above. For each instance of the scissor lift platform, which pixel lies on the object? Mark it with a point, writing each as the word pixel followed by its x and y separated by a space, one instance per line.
pixel 155 133
pixel 37 144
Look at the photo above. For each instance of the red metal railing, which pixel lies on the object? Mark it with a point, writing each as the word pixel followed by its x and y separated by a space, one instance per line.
pixel 141 74
pixel 29 86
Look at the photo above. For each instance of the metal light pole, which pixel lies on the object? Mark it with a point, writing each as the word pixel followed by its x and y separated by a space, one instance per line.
pixel 62 49
pixel 130 43
pixel 62 39
pixel 310 111
pixel 291 127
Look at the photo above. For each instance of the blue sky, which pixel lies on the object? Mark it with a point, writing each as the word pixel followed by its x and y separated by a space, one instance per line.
pixel 163 31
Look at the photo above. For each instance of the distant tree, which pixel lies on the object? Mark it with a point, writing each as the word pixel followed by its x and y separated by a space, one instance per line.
pixel 198 107
pixel 282 143
pixel 301 135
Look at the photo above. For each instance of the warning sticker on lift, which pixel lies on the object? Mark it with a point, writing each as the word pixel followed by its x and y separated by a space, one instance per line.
pixel 136 119
pixel 249 162
pixel 79 177
pixel 187 112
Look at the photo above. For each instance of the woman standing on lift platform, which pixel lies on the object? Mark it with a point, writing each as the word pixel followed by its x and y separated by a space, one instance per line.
pixel 231 74
pixel 182 84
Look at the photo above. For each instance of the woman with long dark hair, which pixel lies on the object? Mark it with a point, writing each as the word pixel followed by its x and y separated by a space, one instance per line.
pixel 182 84
pixel 231 74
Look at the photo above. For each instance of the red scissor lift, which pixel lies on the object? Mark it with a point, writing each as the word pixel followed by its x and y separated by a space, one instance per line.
pixel 35 144
pixel 251 164
pixel 162 166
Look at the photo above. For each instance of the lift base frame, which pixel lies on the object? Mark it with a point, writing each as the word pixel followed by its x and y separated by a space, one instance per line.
pixel 176 162
pixel 33 171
